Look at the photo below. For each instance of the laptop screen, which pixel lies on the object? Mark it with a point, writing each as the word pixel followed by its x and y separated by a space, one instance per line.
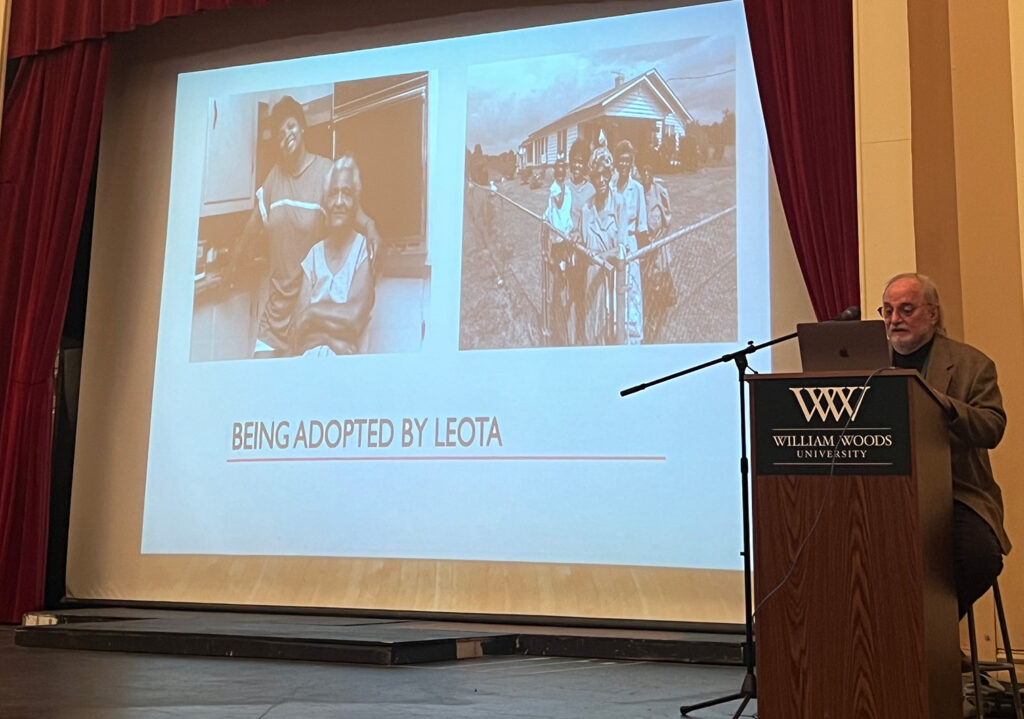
pixel 839 346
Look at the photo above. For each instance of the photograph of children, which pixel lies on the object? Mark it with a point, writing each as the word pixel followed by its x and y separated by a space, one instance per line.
pixel 600 203
pixel 312 228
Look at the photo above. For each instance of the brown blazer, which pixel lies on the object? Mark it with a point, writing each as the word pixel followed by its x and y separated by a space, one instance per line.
pixel 966 379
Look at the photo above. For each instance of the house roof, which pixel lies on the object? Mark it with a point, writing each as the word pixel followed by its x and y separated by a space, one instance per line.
pixel 595 107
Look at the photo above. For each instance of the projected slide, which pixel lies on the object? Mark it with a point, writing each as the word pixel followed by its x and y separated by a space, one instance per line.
pixel 403 287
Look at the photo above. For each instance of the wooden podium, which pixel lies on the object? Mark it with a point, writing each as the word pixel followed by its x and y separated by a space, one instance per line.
pixel 856 612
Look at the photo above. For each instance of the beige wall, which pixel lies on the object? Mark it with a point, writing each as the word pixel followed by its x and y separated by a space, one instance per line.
pixel 882 84
pixel 1015 491
pixel 940 189
pixel 1017 76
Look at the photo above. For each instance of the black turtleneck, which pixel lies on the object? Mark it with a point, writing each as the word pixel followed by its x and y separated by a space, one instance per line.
pixel 918 359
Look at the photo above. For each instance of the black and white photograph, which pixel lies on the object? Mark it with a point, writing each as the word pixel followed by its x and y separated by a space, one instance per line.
pixel 312 228
pixel 600 204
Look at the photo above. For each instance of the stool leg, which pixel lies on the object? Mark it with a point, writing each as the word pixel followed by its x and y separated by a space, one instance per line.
pixel 1009 651
pixel 979 702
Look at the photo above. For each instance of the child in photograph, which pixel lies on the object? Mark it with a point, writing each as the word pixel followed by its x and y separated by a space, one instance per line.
pixel 559 215
pixel 659 286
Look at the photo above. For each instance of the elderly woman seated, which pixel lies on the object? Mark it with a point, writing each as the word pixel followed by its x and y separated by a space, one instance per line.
pixel 337 291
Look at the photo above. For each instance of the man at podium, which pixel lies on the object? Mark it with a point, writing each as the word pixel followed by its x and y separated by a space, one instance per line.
pixel 964 380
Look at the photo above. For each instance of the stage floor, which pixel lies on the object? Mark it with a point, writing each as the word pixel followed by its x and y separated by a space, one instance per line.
pixel 66 684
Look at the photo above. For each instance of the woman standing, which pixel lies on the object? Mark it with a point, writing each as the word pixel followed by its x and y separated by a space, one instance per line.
pixel 289 213
pixel 600 229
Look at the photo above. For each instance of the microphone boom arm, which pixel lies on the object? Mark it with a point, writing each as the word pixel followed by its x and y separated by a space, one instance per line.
pixel 739 356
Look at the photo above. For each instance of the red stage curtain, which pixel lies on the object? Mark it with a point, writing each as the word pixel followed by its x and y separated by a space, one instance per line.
pixel 38 25
pixel 47 152
pixel 803 58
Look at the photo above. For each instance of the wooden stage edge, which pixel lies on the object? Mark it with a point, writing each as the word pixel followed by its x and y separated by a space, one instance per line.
pixel 356 640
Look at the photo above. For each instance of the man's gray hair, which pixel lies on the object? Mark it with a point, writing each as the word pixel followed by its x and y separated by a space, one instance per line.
pixel 929 292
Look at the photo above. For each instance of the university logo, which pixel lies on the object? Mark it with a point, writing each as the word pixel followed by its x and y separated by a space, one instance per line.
pixel 829 402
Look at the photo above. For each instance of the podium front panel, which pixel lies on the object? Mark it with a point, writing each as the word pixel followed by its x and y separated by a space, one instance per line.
pixel 832 425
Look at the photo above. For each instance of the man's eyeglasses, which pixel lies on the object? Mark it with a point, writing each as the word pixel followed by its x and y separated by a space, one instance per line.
pixel 905 310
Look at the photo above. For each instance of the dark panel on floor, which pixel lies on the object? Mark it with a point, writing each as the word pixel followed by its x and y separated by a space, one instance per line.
pixel 356 640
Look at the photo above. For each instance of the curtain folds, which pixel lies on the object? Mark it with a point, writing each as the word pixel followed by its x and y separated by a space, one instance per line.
pixel 47 156
pixel 38 25
pixel 803 58
pixel 47 153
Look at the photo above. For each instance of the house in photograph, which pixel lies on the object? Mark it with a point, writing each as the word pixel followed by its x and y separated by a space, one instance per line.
pixel 643 110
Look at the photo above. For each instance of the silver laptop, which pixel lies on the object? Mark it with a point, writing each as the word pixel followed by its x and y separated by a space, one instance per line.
pixel 843 346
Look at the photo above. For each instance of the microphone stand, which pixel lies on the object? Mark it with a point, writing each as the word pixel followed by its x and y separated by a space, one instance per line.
pixel 748 690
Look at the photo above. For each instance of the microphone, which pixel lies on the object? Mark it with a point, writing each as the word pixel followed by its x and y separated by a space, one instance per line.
pixel 847 315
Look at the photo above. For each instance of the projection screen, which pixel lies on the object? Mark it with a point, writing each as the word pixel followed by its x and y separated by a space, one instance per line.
pixel 361 305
